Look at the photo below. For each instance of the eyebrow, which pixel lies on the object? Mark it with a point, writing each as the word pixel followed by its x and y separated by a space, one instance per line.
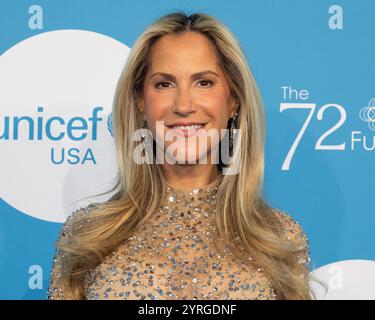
pixel 193 76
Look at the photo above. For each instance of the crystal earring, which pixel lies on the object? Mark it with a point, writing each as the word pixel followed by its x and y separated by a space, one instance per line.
pixel 144 126
pixel 232 126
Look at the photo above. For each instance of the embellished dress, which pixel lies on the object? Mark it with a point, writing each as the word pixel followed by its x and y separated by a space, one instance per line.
pixel 173 256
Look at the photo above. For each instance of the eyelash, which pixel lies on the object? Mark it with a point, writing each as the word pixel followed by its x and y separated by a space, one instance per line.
pixel 161 82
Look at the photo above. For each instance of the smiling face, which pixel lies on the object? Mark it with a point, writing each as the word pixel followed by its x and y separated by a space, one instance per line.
pixel 185 85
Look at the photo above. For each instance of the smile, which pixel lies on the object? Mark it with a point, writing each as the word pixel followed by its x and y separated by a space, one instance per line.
pixel 194 126
pixel 186 130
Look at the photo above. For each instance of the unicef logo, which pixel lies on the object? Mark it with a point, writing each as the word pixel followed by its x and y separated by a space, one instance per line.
pixel 367 114
pixel 57 89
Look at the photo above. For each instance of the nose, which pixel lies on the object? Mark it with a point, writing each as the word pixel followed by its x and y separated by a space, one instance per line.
pixel 183 103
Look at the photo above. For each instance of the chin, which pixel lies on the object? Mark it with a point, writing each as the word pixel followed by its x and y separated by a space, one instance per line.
pixel 190 157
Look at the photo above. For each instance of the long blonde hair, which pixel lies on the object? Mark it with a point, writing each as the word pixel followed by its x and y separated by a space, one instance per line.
pixel 242 216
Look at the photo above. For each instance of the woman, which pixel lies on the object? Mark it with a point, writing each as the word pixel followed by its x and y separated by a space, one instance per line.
pixel 184 230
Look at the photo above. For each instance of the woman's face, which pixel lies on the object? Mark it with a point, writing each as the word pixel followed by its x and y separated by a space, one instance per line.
pixel 185 85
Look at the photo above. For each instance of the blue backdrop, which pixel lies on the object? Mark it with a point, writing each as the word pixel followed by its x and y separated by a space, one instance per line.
pixel 323 50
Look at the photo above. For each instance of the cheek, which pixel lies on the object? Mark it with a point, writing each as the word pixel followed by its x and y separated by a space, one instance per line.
pixel 217 106
pixel 219 113
pixel 155 107
pixel 153 115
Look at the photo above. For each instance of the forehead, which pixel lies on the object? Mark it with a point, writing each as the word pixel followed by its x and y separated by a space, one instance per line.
pixel 183 52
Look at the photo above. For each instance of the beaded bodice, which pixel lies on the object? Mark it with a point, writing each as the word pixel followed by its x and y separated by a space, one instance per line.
pixel 174 255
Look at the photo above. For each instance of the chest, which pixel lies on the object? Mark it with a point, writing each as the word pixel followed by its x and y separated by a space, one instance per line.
pixel 164 266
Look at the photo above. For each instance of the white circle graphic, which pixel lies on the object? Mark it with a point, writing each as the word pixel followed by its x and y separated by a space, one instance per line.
pixel 345 280
pixel 57 90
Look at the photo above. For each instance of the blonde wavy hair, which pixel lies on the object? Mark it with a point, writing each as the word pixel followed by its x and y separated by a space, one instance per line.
pixel 242 215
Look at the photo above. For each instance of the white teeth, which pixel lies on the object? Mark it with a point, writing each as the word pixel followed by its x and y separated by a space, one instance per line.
pixel 194 126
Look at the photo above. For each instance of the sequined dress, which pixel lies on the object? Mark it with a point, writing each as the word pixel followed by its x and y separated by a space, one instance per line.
pixel 172 256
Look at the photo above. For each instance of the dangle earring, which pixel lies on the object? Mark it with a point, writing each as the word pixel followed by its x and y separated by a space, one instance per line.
pixel 232 126
pixel 144 126
pixel 147 152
